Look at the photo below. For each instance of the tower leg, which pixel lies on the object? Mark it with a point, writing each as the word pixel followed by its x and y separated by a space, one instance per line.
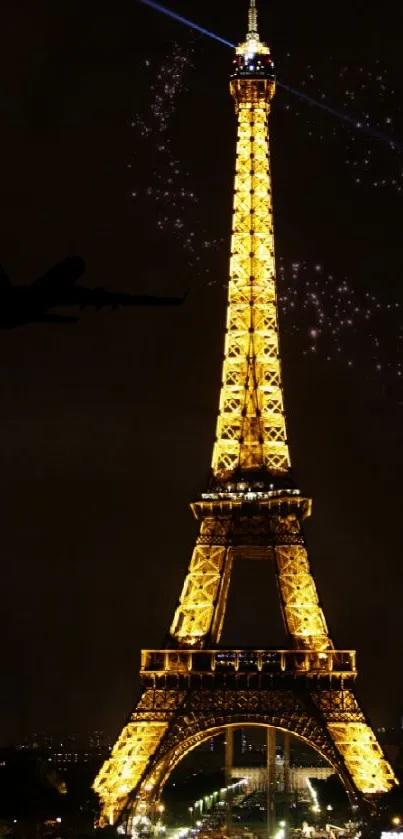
pixel 271 781
pixel 167 723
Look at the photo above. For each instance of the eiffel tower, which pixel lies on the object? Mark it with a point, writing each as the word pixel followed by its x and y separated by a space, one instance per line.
pixel 193 689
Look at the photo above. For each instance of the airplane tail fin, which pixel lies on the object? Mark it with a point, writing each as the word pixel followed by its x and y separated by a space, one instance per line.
pixel 4 279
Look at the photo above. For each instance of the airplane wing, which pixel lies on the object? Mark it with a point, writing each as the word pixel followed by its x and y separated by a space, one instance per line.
pixel 56 288
pixel 147 300
pixel 63 275
pixel 100 298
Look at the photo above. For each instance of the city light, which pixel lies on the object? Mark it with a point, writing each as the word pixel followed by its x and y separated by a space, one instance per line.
pixel 314 795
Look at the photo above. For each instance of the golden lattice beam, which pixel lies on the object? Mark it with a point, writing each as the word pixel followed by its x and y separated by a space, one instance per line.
pixel 251 432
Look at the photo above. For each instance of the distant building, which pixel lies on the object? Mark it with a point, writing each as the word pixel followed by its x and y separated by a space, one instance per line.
pixel 67 751
pixel 256 777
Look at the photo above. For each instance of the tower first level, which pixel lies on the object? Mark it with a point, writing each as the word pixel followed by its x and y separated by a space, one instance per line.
pixel 191 688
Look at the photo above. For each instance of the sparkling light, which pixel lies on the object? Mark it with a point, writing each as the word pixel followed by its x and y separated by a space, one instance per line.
pixel 169 194
pixel 364 118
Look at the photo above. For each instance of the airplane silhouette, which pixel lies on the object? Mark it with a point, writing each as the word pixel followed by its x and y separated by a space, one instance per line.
pixel 20 305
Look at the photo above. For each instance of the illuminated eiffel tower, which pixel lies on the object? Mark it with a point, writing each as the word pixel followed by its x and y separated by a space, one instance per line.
pixel 192 689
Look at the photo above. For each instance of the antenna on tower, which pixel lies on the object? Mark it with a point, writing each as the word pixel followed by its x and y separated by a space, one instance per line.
pixel 253 33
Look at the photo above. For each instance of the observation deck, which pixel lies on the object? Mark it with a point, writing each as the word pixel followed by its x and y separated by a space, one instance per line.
pixel 247 668
pixel 228 500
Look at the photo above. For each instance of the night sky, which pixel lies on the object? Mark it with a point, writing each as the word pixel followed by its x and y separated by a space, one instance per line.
pixel 118 141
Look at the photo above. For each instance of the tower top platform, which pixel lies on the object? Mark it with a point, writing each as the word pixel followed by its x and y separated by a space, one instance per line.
pixel 253 45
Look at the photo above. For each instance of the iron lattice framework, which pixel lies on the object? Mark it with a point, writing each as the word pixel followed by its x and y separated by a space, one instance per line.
pixel 191 689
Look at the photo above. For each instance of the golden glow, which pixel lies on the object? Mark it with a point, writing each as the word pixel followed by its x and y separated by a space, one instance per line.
pixel 253 45
pixel 297 663
pixel 240 520
pixel 199 617
pixel 251 430
pixel 355 741
pixel 303 616
pixel 122 772
pixel 193 617
pixel 363 756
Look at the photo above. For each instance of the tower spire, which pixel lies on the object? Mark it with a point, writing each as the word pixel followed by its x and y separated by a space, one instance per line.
pixel 251 440
pixel 253 34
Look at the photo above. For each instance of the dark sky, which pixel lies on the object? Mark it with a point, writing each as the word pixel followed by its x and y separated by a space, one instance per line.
pixel 106 426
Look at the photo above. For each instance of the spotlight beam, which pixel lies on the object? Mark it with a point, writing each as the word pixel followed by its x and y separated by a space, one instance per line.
pixel 354 122
pixel 185 21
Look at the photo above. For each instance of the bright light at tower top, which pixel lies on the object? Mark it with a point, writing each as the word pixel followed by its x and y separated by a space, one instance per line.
pixel 253 45
pixel 253 60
